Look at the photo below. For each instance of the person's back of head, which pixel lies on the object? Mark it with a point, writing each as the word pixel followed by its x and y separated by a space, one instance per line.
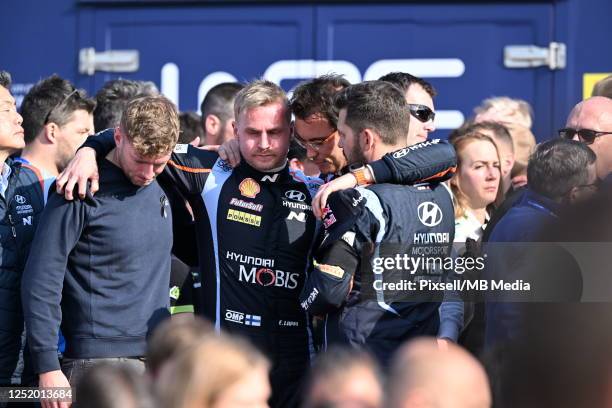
pixel 316 97
pixel 218 371
pixel 172 337
pixel 425 376
pixel 603 87
pixel 378 106
pixel 191 128
pixel 404 81
pixel 559 167
pixel 52 100
pixel 344 377
pixel 218 112
pixel 112 385
pixel 505 110
pixel 113 97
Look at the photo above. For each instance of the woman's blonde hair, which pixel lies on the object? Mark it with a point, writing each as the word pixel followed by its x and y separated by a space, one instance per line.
pixel 460 143
pixel 200 374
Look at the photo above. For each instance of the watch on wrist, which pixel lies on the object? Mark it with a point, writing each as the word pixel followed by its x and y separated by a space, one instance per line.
pixel 359 171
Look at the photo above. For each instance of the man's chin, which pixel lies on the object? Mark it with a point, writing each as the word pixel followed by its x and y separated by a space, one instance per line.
pixel 141 182
pixel 266 164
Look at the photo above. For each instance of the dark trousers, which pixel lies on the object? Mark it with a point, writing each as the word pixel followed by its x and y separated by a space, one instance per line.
pixel 75 368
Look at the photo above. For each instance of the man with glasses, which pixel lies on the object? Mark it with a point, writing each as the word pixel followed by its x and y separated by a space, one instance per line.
pixel 591 122
pixel 419 95
pixel 315 127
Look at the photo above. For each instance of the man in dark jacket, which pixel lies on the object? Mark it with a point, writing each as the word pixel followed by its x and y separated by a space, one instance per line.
pixel 560 172
pixel 21 202
pixel 367 225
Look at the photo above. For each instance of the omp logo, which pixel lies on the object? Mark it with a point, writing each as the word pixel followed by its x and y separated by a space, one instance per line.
pixel 249 188
pixel 20 199
pixel 235 317
pixel 268 277
pixel 297 216
pixel 429 213
pixel 270 178
pixel 295 195
pixel 245 218
pixel 27 220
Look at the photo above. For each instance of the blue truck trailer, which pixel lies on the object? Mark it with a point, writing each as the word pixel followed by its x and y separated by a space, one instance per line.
pixel 546 52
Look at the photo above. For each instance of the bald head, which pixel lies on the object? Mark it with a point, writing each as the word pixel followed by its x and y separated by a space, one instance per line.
pixel 596 114
pixel 424 376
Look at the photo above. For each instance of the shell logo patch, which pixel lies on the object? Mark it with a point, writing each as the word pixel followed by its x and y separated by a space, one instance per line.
pixel 249 188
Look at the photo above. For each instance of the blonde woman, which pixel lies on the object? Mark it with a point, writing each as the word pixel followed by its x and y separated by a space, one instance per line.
pixel 475 185
pixel 217 372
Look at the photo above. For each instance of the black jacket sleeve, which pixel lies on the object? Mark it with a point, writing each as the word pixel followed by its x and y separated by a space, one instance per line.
pixel 328 284
pixel 59 230
pixel 430 161
pixel 188 168
pixel 337 258
pixel 102 142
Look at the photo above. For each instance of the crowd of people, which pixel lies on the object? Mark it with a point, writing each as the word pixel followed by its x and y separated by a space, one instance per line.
pixel 309 251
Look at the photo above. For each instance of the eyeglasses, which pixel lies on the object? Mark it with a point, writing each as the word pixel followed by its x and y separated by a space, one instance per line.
pixel 421 112
pixel 587 136
pixel 62 102
pixel 313 145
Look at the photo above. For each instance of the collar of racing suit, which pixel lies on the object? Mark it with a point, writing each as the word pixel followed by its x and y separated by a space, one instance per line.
pixel 247 170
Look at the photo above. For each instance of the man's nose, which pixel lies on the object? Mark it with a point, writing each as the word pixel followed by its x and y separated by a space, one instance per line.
pixel 310 152
pixel 430 126
pixel 264 141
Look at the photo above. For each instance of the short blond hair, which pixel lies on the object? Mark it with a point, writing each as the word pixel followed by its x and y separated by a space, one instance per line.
pixel 260 93
pixel 151 124
pixel 505 110
pixel 200 374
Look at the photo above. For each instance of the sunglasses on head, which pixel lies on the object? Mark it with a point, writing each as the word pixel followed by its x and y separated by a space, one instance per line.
pixel 62 102
pixel 587 136
pixel 421 112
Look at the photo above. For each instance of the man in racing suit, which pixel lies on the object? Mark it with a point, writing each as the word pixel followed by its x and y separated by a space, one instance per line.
pixel 368 229
pixel 256 229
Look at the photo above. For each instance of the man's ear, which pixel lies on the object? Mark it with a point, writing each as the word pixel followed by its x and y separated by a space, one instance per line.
pixel 212 124
pixel 50 132
pixel 367 140
pixel 118 135
pixel 235 127
pixel 572 195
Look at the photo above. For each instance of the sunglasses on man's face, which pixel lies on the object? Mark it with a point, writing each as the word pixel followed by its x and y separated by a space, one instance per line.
pixel 421 112
pixel 587 136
